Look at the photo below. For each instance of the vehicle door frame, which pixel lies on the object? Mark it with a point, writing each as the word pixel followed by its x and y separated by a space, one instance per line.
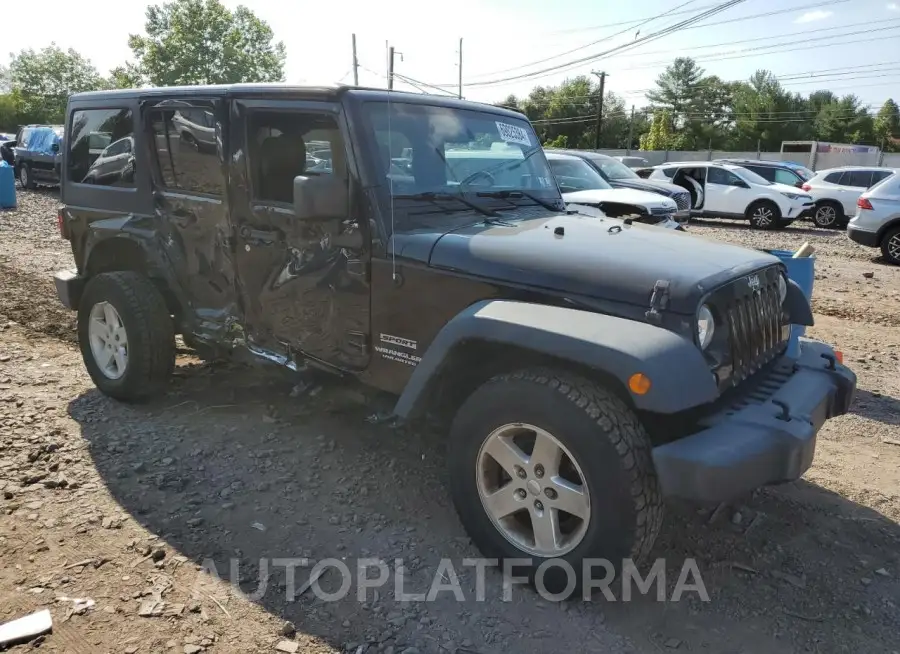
pixel 244 205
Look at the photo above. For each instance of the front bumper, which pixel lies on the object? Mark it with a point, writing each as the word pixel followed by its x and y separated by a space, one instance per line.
pixel 766 435
pixel 69 286
pixel 800 210
pixel 869 239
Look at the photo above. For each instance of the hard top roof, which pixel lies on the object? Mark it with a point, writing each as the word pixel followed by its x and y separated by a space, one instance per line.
pixel 289 91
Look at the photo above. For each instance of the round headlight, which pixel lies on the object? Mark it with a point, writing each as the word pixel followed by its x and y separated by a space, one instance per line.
pixel 706 326
pixel 782 288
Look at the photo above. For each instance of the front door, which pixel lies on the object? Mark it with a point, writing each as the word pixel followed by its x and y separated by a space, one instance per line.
pixel 726 193
pixel 303 284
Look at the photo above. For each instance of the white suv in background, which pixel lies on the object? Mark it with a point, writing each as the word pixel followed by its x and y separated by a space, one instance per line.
pixel 724 190
pixel 836 190
pixel 877 220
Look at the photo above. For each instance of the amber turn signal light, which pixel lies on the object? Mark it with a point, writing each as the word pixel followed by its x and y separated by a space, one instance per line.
pixel 839 356
pixel 639 383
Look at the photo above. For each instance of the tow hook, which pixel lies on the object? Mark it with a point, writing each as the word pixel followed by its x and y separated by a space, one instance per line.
pixel 832 361
pixel 785 410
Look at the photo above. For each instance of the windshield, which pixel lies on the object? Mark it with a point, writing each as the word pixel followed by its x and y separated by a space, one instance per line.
pixel 613 169
pixel 750 176
pixel 445 150
pixel 574 174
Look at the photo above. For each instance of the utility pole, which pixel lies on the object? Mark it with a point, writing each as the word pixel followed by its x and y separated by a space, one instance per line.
pixel 390 68
pixel 355 64
pixel 460 69
pixel 602 76
pixel 630 130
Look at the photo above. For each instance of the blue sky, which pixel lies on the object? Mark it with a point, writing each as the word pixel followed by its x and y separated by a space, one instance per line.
pixel 499 35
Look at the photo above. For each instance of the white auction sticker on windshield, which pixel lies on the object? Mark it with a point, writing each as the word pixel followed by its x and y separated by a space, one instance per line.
pixel 513 134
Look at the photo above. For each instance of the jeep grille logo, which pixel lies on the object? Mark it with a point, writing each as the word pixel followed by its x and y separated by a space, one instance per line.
pixel 753 282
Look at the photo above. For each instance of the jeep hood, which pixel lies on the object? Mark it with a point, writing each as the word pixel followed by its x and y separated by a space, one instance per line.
pixel 600 258
pixel 649 185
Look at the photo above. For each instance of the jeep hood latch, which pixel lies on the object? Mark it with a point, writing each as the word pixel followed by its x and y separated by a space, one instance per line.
pixel 659 300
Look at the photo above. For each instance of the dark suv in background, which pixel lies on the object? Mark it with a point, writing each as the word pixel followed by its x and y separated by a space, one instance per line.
pixel 621 176
pixel 37 155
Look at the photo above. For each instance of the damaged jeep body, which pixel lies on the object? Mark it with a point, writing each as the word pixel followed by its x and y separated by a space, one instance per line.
pixel 420 244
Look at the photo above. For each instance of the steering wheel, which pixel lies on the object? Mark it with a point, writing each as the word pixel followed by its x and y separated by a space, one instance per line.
pixel 489 179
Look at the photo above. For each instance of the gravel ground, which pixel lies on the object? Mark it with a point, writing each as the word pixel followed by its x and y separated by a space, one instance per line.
pixel 132 506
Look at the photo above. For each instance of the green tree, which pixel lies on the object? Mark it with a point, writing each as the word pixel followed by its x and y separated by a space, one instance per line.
pixel 202 42
pixel 886 126
pixel 661 135
pixel 44 80
pixel 559 142
pixel 128 76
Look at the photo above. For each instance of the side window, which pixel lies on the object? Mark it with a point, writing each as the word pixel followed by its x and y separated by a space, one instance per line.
pixel 770 174
pixel 285 144
pixel 878 175
pixel 784 177
pixel 859 178
pixel 185 141
pixel 669 172
pixel 100 148
pixel 834 178
pixel 721 176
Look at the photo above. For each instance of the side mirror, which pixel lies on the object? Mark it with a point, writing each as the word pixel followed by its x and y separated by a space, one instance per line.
pixel 741 184
pixel 323 197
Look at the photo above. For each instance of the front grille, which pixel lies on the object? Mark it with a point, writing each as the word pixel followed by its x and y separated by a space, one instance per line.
pixel 754 319
pixel 682 200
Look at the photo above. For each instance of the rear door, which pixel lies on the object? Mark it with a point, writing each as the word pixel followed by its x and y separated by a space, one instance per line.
pixel 304 285
pixel 189 195
pixel 853 183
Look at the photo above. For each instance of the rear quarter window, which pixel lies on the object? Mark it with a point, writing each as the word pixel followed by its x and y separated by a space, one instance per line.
pixel 668 172
pixel 833 178
pixel 91 160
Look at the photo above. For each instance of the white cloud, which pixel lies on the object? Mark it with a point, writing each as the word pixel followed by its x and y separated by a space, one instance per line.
pixel 813 16
pixel 893 6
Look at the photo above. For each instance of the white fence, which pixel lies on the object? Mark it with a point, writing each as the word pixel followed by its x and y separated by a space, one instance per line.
pixel 822 161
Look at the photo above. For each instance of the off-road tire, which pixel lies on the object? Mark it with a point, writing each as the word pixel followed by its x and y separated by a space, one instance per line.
pixel 890 242
pixel 26 179
pixel 765 204
pixel 605 437
pixel 834 221
pixel 151 335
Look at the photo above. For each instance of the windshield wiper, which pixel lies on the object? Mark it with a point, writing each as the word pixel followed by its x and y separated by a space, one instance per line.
pixel 433 196
pixel 507 194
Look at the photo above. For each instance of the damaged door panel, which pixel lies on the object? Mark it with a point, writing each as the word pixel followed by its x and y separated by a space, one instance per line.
pixel 304 284
pixel 188 199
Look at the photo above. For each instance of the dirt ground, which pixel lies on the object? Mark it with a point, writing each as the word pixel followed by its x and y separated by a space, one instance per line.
pixel 115 517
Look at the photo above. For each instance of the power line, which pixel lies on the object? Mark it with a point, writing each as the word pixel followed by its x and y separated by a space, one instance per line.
pixel 685 27
pixel 650 37
pixel 633 25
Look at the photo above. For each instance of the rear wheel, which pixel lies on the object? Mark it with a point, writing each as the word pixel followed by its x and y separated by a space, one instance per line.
pixel 890 246
pixel 828 215
pixel 764 215
pixel 25 177
pixel 545 466
pixel 126 336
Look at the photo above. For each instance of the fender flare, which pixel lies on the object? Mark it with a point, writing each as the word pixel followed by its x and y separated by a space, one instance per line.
pixel 129 228
pixel 680 376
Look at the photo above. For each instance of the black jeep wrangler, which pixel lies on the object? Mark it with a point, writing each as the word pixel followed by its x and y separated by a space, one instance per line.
pixel 591 366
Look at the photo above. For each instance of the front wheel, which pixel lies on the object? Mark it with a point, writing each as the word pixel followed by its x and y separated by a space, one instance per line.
pixel 890 246
pixel 828 215
pixel 764 215
pixel 126 336
pixel 545 465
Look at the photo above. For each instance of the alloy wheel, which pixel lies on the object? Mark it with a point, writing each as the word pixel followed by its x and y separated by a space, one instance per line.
pixel 893 247
pixel 109 342
pixel 533 490
pixel 764 216
pixel 825 216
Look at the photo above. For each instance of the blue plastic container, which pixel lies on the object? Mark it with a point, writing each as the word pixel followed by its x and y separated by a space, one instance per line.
pixel 802 271
pixel 7 186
